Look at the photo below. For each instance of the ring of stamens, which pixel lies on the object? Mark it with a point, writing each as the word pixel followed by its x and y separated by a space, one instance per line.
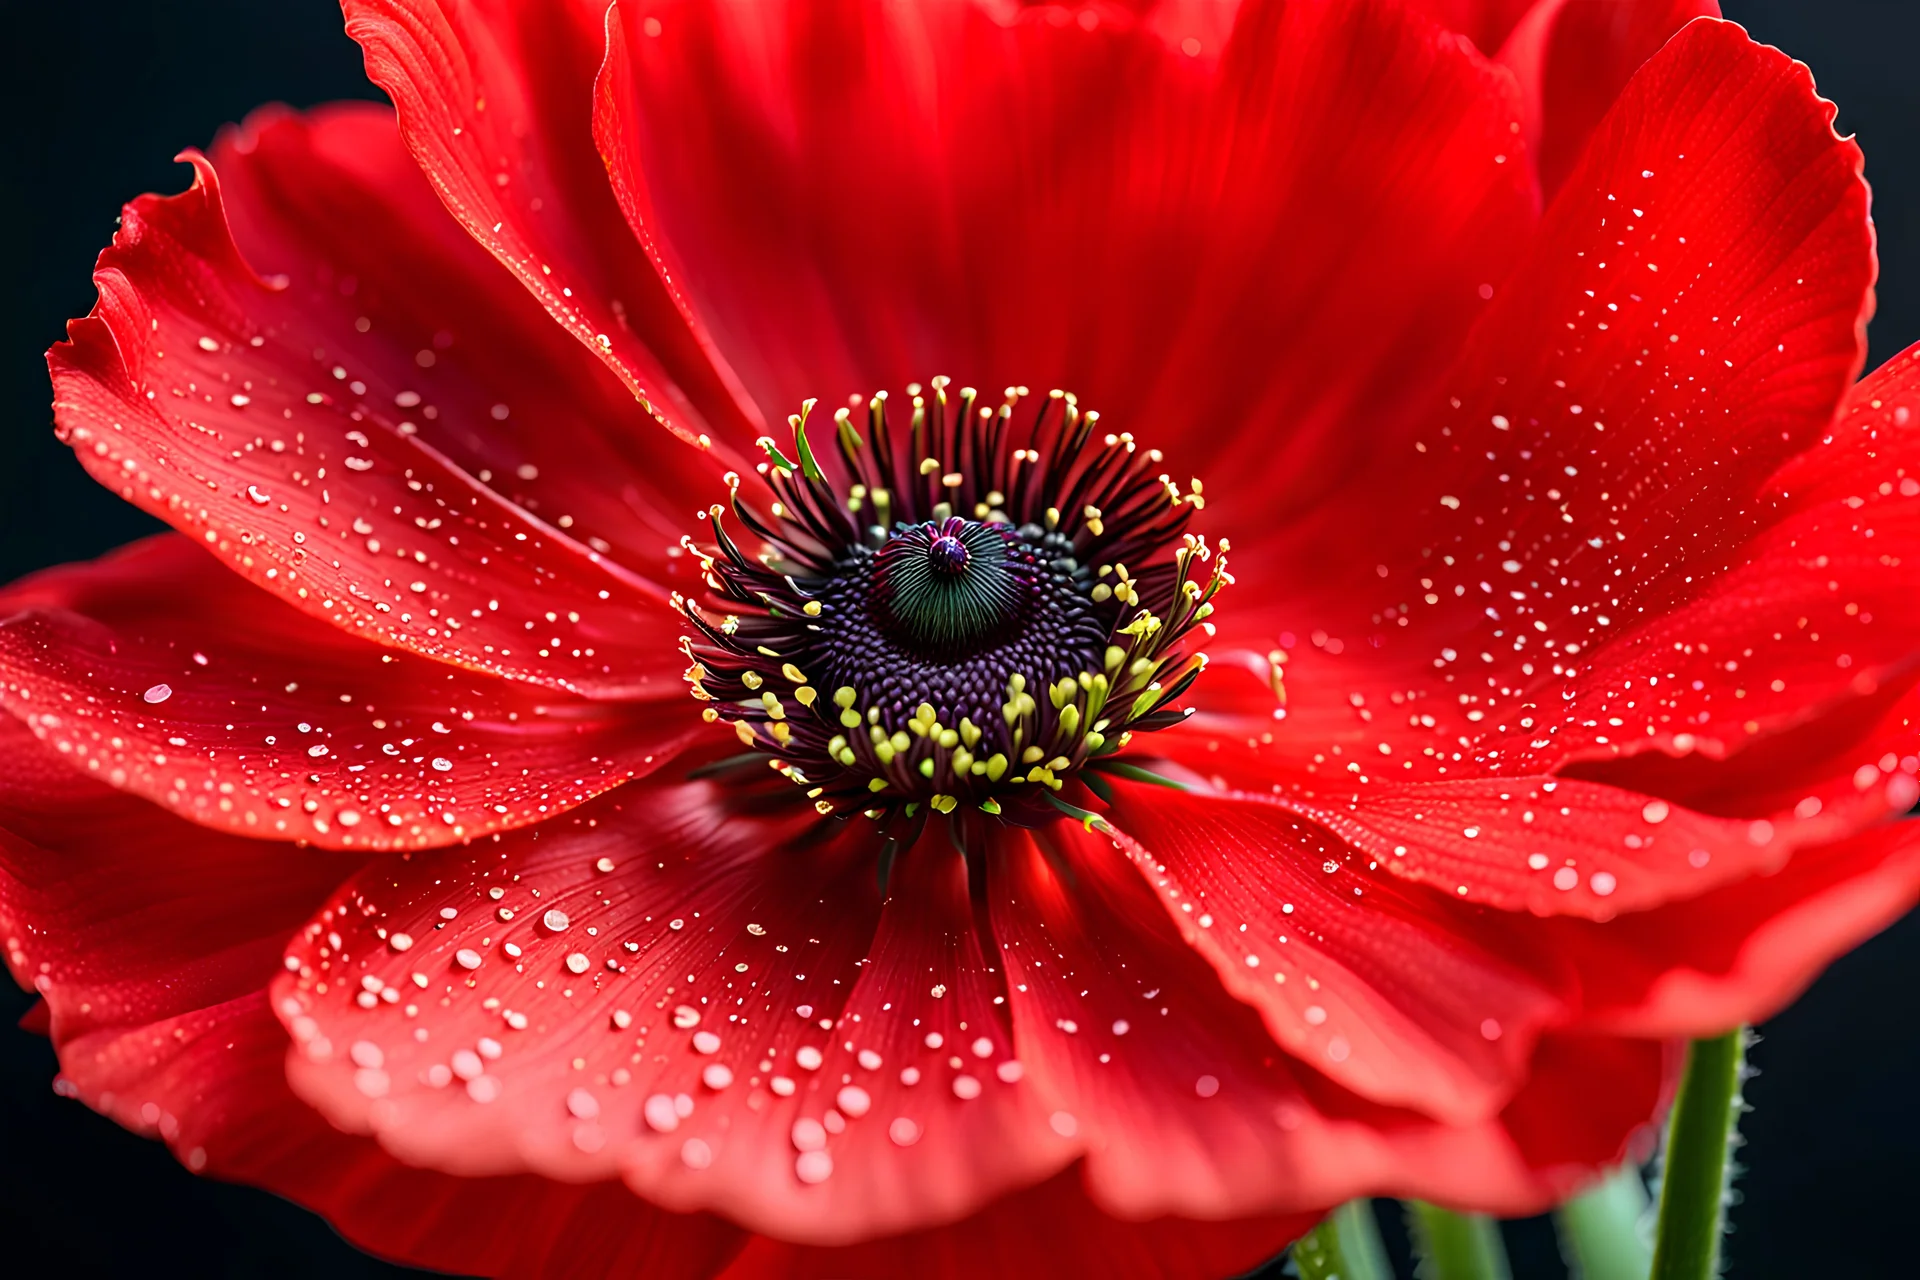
pixel 967 611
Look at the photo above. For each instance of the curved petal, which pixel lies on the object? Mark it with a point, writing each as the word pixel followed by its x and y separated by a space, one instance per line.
pixel 1379 987
pixel 1742 954
pixel 1573 57
pixel 1487 23
pixel 153 942
pixel 1684 968
pixel 495 102
pixel 1584 497
pixel 673 1028
pixel 1051 1229
pixel 1185 1107
pixel 1282 235
pixel 194 390
pixel 460 356
pixel 161 672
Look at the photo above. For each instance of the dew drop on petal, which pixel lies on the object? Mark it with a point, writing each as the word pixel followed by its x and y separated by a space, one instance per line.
pixel 808 1134
pixel 660 1113
pixel 813 1167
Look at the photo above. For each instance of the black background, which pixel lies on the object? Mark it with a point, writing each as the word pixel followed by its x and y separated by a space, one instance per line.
pixel 98 96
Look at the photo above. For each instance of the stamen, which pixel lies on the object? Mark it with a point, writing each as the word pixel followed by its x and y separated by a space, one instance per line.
pixel 978 658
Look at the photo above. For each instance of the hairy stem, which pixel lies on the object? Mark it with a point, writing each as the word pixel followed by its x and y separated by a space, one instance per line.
pixel 1693 1180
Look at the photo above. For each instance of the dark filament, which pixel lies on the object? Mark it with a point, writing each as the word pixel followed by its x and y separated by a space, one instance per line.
pixel 967 611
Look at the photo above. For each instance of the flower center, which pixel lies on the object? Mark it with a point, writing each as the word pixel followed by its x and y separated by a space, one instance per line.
pixel 972 610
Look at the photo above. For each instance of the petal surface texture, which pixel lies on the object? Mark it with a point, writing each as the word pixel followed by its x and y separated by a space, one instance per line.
pixel 363 843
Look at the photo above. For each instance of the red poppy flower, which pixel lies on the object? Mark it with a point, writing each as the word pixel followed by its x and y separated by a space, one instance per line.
pixel 366 844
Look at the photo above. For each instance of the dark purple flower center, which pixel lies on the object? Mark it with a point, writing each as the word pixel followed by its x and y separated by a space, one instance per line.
pixel 968 611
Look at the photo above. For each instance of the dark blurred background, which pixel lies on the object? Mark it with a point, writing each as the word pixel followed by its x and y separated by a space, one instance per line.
pixel 99 95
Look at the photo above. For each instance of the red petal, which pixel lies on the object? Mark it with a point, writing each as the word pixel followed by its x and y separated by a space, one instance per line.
pixel 1051 1230
pixel 158 670
pixel 193 390
pixel 474 366
pixel 1377 986
pixel 707 965
pixel 153 942
pixel 865 195
pixel 495 102
pixel 1184 1106
pixel 1744 953
pixel 1717 211
pixel 1573 57
pixel 1570 566
pixel 1487 23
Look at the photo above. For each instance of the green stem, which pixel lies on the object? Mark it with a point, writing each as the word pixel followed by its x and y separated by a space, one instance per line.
pixel 1601 1231
pixel 1455 1246
pixel 1345 1246
pixel 1693 1178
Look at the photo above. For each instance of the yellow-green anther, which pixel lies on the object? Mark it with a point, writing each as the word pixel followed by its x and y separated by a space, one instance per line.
pixel 962 761
pixel 969 733
pixel 844 696
pixel 1115 656
pixel 1032 754
pixel 884 752
pixel 996 767
pixel 1059 764
pixel 1140 667
pixel 771 701
pixel 900 741
pixel 1070 719
pixel 793 673
pixel 990 805
pixel 944 804
pixel 926 767
pixel 876 784
pixel 948 739
pixel 846 756
pixel 836 744
pixel 1095 741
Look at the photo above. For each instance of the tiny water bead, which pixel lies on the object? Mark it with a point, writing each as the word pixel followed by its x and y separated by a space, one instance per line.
pixel 967 611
